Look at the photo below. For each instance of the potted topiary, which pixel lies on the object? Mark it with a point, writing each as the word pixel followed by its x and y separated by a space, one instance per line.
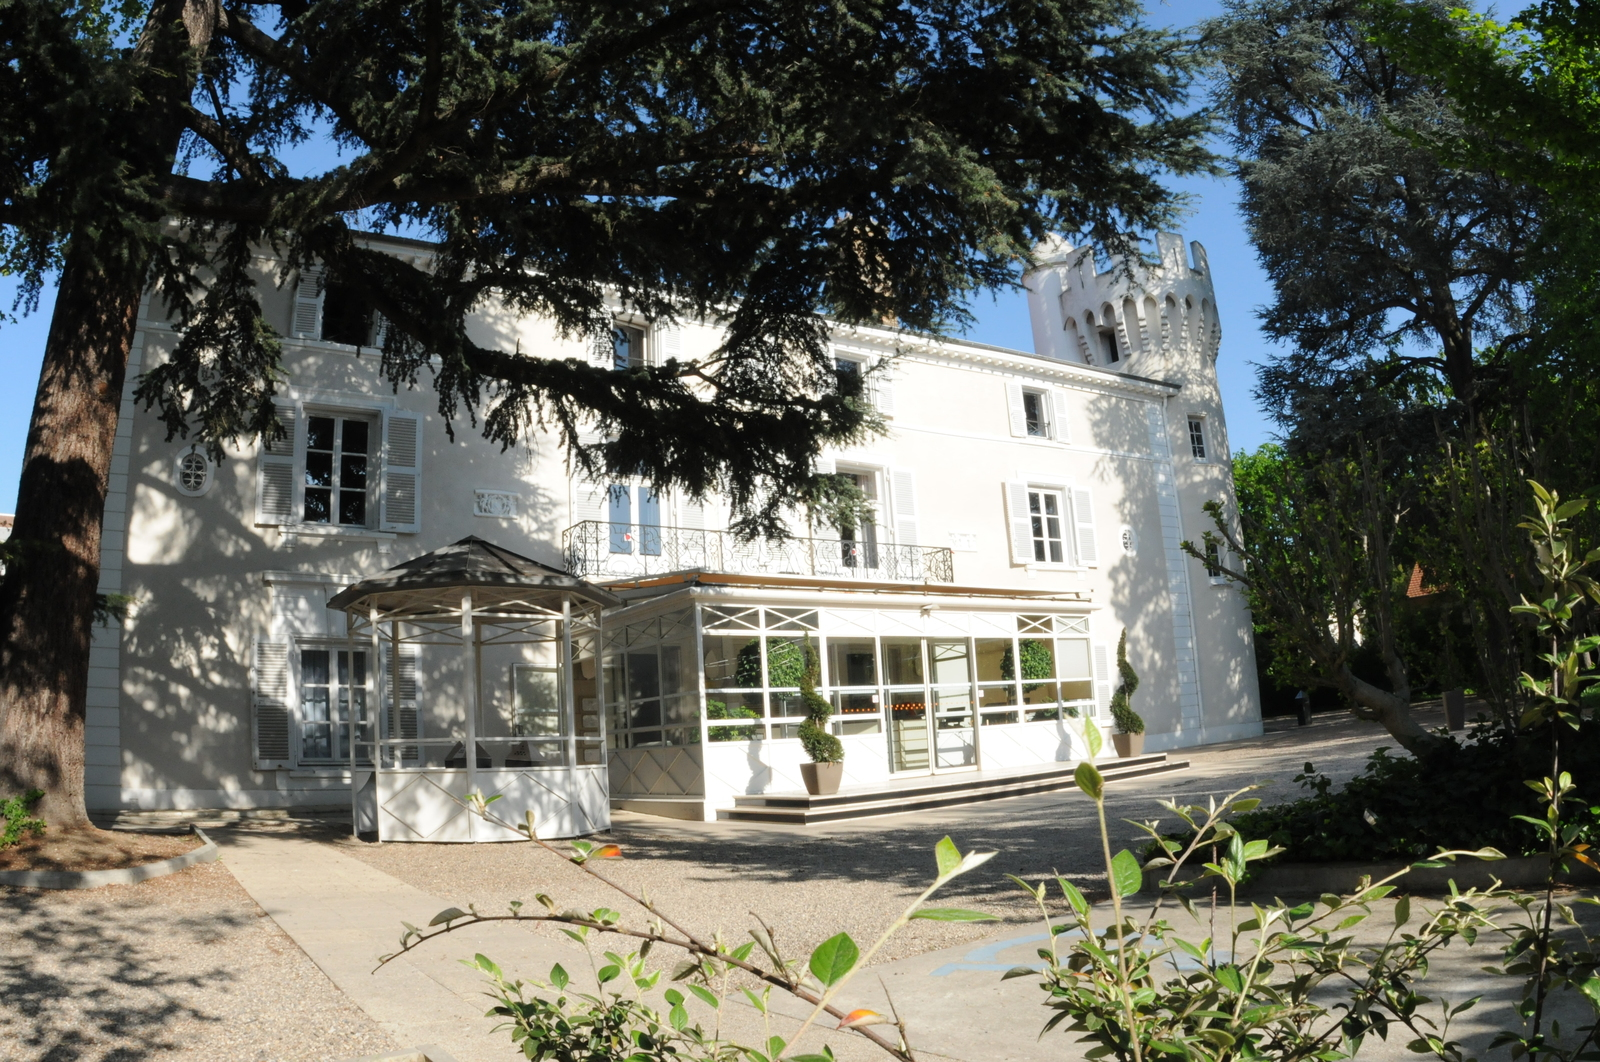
pixel 823 773
pixel 1129 738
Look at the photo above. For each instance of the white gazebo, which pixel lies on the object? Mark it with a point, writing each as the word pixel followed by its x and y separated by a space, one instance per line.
pixel 542 746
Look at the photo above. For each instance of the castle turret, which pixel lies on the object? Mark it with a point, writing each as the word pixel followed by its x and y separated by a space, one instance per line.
pixel 1158 320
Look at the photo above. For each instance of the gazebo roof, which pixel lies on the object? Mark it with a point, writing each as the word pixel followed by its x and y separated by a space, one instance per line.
pixel 467 564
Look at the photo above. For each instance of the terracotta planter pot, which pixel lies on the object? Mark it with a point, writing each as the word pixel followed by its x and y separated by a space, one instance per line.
pixel 822 779
pixel 1128 744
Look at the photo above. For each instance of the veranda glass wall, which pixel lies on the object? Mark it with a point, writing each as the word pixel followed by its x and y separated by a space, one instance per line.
pixel 724 674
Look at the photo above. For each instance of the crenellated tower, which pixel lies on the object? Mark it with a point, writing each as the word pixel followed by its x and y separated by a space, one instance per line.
pixel 1158 320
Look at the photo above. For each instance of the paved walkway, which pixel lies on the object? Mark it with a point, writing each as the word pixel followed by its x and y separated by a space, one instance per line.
pixel 344 911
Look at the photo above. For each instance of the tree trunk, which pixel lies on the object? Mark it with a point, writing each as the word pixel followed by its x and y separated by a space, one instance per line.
pixel 1391 711
pixel 47 602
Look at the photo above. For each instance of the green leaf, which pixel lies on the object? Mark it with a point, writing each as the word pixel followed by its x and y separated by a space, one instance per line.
pixel 1090 780
pixel 672 996
pixel 609 973
pixel 558 977
pixel 1074 897
pixel 1402 911
pixel 677 1017
pixel 1250 804
pixel 1018 971
pixel 1092 738
pixel 954 914
pixel 449 914
pixel 775 1046
pixel 1229 977
pixel 706 996
pixel 1126 877
pixel 948 856
pixel 835 957
pixel 1591 992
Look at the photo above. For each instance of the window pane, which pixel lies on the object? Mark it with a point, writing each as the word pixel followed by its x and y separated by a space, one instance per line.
pixel 792 619
pixel 353 508
pixel 673 676
pixel 730 704
pixel 644 675
pixel 319 433
pixel 991 696
pixel 355 438
pixel 786 662
pixel 996 718
pixel 314 666
pixel 949 661
pixel 742 618
pixel 787 704
pixel 902 661
pixel 731 659
pixel 353 472
pixel 1033 412
pixel 645 714
pixel 992 656
pixel 1038 693
pixel 1077 690
pixel 1073 658
pixel 538 704
pixel 952 698
pixel 319 469
pixel 852 662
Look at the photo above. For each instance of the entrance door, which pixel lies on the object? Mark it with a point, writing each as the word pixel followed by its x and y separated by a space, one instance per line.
pixel 905 676
pixel 954 734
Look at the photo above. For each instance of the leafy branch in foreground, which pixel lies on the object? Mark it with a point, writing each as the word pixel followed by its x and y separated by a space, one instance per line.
pixel 606 1024
pixel 1137 988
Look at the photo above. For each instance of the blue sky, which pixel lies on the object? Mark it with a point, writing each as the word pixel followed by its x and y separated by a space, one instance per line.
pixel 1241 288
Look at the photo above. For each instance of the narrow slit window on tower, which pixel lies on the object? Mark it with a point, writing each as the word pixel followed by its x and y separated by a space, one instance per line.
pixel 1108 340
pixel 1197 437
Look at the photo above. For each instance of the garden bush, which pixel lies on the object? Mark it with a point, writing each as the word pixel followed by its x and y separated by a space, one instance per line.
pixel 1459 795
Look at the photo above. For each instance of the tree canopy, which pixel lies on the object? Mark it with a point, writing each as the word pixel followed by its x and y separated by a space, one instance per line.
pixel 765 164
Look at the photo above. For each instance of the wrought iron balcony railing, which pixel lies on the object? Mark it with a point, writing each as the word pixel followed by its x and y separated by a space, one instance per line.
pixel 599 549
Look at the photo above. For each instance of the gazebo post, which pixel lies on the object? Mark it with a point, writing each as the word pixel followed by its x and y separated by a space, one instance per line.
pixel 377 723
pixel 569 704
pixel 470 659
pixel 350 656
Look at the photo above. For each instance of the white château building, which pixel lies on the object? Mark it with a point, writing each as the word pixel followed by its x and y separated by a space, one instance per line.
pixel 1028 508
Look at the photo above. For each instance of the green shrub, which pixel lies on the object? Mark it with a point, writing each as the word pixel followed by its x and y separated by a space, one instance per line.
pixel 1128 721
pixel 15 812
pixel 820 745
pixel 1460 795
pixel 786 662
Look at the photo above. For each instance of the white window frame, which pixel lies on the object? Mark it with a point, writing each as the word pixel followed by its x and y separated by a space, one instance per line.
pixel 298 723
pixel 1074 529
pixel 1046 419
pixel 389 481
pixel 1064 501
pixel 879 385
pixel 1203 443
pixel 375 424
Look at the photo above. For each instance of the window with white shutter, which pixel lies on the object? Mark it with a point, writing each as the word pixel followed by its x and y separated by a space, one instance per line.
pixel 402 473
pixel 904 488
pixel 275 472
pixel 883 388
pixel 308 292
pixel 669 343
pixel 1017 518
pixel 1016 411
pixel 1083 518
pixel 269 705
pixel 402 720
pixel 1060 426
pixel 1102 680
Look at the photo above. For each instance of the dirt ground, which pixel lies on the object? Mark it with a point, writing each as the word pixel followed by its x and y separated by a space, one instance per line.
pixel 93 849
pixel 184 968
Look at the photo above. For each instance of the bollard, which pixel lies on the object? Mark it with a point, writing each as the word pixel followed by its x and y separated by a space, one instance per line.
pixel 1455 708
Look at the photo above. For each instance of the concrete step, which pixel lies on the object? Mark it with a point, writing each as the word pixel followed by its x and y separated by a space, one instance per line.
pixel 692 808
pixel 802 809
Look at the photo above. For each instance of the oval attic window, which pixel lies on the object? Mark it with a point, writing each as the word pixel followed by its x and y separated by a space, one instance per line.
pixel 194 473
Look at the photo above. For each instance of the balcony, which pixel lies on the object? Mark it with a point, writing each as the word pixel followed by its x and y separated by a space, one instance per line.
pixel 597 549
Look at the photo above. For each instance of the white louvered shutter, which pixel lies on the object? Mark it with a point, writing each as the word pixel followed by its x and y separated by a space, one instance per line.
pixel 692 514
pixel 1021 526
pixel 1102 680
pixel 403 721
pixel 402 473
pixel 883 389
pixel 1083 519
pixel 1061 427
pixel 269 705
pixel 1016 411
pixel 380 330
pixel 905 506
pixel 275 479
pixel 308 292
pixel 669 343
pixel 826 466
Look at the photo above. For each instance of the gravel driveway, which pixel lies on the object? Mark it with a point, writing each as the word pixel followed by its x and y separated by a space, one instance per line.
pixel 811 882
pixel 174 969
